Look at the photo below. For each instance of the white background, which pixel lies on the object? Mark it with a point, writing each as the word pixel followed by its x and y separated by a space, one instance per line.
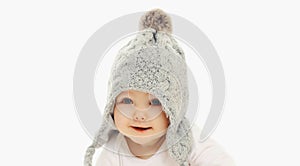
pixel 257 41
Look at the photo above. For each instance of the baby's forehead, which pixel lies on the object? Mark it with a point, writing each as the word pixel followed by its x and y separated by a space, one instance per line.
pixel 134 93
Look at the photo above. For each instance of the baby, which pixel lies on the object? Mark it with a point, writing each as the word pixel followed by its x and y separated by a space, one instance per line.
pixel 144 121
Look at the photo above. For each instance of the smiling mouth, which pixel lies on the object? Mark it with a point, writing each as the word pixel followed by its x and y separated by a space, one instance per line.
pixel 141 129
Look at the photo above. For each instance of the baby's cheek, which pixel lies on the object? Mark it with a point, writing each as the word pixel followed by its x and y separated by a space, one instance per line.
pixel 120 120
pixel 165 121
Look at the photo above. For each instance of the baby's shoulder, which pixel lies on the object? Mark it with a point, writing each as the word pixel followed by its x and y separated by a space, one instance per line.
pixel 208 153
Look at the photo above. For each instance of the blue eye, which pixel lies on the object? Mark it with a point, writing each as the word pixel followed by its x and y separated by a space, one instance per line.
pixel 127 101
pixel 156 102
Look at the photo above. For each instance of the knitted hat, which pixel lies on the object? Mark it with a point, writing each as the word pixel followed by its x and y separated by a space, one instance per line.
pixel 153 63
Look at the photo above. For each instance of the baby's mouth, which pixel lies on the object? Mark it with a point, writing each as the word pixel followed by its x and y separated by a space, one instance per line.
pixel 141 129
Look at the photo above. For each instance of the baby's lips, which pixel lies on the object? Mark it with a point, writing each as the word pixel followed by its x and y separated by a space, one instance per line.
pixel 140 126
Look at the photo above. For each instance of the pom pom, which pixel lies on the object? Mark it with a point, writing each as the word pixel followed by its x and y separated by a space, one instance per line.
pixel 156 19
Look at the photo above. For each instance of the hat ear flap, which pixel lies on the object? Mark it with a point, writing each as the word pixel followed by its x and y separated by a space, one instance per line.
pixel 106 129
pixel 98 141
pixel 180 142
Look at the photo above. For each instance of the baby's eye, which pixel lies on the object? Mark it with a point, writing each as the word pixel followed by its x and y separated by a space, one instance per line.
pixel 127 101
pixel 156 102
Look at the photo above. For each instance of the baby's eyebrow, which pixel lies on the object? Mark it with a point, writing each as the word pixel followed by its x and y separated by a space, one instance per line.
pixel 122 95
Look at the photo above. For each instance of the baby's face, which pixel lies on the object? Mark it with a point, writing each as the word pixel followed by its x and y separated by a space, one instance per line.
pixel 139 114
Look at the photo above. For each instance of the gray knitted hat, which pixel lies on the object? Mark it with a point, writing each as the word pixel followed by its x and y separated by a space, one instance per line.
pixel 153 63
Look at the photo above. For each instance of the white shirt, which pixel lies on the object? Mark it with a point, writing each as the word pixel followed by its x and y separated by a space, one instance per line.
pixel 117 153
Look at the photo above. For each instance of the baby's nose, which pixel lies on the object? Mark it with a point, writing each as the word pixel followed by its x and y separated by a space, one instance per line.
pixel 139 116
